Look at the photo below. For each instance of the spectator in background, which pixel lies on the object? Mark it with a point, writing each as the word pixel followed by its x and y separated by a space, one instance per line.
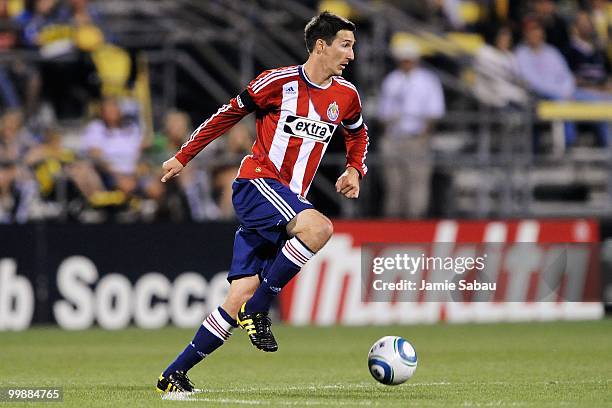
pixel 587 60
pixel 8 40
pixel 19 81
pixel 495 13
pixel 49 161
pixel 15 139
pixel 191 196
pixel 17 188
pixel 113 145
pixel 497 80
pixel 90 30
pixel 39 16
pixel 176 126
pixel 68 75
pixel 555 27
pixel 601 17
pixel 591 68
pixel 545 71
pixel 83 13
pixel 542 66
pixel 9 28
pixel 237 144
pixel 10 197
pixel 411 99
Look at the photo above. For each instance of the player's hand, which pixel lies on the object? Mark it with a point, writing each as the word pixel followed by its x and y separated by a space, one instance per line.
pixel 348 183
pixel 172 167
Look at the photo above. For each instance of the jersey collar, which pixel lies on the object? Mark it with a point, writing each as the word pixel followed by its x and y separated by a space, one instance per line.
pixel 309 82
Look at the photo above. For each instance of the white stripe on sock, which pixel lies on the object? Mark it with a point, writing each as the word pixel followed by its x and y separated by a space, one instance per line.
pixel 225 325
pixel 217 325
pixel 295 251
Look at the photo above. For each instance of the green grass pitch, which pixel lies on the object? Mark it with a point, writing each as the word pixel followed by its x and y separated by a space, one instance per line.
pixel 519 365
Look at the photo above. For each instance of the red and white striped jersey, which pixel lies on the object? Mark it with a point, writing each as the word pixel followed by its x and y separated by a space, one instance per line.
pixel 295 120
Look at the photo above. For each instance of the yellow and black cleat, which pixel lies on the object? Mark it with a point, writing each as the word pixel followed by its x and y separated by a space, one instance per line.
pixel 257 326
pixel 175 382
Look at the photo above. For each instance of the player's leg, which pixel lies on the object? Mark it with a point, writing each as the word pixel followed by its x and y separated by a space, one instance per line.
pixel 240 291
pixel 300 232
pixel 212 334
pixel 309 231
pixel 312 228
pixel 217 327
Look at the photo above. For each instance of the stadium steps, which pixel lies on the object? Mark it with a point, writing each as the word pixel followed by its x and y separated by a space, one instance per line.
pixel 577 184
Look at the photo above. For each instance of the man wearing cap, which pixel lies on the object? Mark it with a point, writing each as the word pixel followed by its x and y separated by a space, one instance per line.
pixel 411 98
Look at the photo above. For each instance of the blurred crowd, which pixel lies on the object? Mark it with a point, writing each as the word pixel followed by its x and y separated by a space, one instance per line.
pixel 548 49
pixel 114 171
pixel 521 52
pixel 76 144
pixel 562 53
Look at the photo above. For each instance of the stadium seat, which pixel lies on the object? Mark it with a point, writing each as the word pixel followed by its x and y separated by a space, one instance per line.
pixel 580 111
pixel 468 42
pixel 558 112
pixel 426 47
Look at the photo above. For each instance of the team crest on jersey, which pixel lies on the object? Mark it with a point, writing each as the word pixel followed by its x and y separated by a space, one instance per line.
pixel 307 128
pixel 333 111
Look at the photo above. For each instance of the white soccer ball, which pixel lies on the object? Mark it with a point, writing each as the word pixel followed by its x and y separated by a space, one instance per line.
pixel 392 360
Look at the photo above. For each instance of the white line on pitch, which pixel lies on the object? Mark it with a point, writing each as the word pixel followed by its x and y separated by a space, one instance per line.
pixel 187 396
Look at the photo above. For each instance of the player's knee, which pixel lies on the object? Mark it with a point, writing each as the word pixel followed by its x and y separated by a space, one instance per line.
pixel 321 230
pixel 326 228
pixel 313 228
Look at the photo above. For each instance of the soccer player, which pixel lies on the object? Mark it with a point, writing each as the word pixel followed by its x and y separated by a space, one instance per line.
pixel 297 109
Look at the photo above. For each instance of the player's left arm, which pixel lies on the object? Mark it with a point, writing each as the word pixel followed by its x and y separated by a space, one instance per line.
pixel 348 183
pixel 356 141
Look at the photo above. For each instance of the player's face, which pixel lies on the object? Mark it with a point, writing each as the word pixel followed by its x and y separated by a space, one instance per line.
pixel 340 52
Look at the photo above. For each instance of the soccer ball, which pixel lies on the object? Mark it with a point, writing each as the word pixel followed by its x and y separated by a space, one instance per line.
pixel 392 360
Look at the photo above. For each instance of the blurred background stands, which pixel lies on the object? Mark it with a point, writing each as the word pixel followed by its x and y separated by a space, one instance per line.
pixel 502 148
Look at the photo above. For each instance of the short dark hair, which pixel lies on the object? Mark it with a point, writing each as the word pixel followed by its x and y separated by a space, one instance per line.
pixel 325 26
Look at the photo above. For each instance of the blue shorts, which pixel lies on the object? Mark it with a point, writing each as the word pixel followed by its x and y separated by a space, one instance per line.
pixel 264 207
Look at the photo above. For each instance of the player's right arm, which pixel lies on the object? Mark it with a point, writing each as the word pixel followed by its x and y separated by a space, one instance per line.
pixel 172 167
pixel 226 117
pixel 213 127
